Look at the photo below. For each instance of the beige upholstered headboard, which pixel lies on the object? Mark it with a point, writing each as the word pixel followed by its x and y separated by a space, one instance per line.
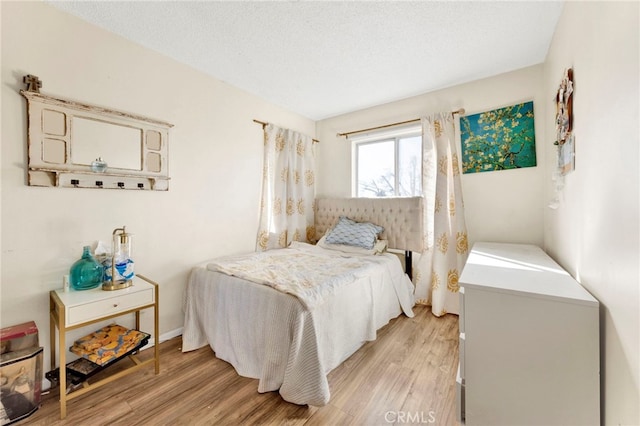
pixel 401 218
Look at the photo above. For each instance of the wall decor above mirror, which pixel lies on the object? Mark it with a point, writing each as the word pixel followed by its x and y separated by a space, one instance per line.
pixel 72 144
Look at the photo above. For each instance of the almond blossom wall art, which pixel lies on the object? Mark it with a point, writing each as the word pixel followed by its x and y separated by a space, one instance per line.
pixel 500 139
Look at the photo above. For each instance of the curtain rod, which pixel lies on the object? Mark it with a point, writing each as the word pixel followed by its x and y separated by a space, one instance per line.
pixel 458 111
pixel 262 123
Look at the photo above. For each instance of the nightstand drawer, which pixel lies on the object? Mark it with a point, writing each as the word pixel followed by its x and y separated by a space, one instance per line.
pixel 100 308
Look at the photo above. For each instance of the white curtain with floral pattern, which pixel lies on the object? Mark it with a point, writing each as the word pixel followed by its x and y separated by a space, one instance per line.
pixel 445 232
pixel 288 189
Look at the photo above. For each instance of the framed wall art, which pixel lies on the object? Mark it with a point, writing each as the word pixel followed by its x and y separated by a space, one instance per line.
pixel 500 139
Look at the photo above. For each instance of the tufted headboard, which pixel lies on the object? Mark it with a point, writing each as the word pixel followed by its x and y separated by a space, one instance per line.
pixel 401 218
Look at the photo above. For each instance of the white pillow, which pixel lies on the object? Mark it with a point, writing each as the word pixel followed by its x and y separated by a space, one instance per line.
pixel 379 247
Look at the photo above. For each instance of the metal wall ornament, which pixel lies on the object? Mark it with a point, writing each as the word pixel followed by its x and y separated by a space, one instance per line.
pixel 564 124
pixel 565 139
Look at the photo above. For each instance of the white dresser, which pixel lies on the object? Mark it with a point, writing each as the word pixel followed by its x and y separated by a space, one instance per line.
pixel 529 341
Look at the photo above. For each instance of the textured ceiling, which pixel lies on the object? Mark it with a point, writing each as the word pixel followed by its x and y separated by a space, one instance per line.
pixel 322 59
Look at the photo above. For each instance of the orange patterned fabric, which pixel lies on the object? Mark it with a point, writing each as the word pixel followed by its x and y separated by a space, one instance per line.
pixel 107 344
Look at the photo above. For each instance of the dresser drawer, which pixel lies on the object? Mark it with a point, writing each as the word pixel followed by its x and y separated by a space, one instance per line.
pixel 80 313
pixel 461 315
pixel 461 353
pixel 460 391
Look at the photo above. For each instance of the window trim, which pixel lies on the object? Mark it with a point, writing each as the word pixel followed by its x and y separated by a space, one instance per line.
pixel 378 137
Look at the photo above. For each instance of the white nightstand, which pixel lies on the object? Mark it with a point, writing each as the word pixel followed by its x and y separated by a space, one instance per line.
pixel 74 309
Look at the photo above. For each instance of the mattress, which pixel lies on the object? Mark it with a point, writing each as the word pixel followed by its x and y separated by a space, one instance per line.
pixel 288 345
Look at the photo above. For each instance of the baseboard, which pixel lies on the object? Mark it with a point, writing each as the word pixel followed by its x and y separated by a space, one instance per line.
pixel 164 337
pixel 171 334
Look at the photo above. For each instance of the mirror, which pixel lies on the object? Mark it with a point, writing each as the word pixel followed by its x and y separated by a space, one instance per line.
pixel 119 146
pixel 65 138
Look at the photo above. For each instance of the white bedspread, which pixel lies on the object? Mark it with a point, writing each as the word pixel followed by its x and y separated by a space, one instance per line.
pixel 306 271
pixel 275 337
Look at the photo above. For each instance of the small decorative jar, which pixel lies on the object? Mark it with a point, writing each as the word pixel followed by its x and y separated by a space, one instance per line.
pixel 86 273
pixel 99 165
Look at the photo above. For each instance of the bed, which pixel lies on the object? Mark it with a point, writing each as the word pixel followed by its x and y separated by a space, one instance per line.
pixel 287 336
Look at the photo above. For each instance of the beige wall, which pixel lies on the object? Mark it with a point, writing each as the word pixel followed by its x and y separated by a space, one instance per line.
pixel 594 233
pixel 215 156
pixel 215 163
pixel 499 206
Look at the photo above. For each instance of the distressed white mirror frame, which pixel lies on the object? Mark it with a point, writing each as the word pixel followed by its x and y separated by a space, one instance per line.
pixel 64 138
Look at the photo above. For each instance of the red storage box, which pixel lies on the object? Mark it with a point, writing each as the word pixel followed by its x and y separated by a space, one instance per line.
pixel 18 337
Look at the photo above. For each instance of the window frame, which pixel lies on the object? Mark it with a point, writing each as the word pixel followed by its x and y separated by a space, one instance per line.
pixel 394 135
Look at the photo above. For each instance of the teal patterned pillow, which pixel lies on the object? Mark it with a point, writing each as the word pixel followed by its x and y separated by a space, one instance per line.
pixel 352 233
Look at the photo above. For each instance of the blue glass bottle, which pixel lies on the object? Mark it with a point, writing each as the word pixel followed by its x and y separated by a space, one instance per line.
pixel 86 273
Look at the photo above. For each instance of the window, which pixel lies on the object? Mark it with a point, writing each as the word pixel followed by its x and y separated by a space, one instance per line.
pixel 388 164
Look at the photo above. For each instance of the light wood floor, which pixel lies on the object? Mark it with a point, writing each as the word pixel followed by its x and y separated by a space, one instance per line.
pixel 406 376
